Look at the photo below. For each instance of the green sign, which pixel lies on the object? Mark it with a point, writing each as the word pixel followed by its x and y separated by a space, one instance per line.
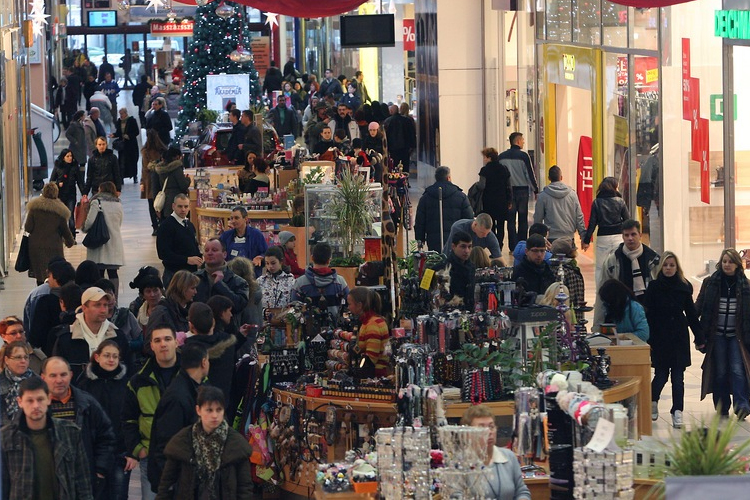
pixel 717 107
pixel 732 24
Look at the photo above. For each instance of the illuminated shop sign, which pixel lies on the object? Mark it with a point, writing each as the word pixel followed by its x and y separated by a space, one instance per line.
pixel 732 24
pixel 569 66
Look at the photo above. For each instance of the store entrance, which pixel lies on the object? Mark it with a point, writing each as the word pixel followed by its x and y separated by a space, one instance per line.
pixel 572 122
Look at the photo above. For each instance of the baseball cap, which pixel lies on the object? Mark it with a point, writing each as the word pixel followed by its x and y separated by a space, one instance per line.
pixel 562 246
pixel 94 293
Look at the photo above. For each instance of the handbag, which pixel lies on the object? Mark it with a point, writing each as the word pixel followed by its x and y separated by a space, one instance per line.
pixel 81 211
pixel 98 233
pixel 118 144
pixel 23 261
pixel 161 197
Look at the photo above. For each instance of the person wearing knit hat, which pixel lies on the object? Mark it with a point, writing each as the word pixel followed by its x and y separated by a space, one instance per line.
pixel 533 270
pixel 287 242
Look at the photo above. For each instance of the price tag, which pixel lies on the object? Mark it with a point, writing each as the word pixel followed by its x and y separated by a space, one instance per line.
pixel 427 279
pixel 449 357
pixel 603 434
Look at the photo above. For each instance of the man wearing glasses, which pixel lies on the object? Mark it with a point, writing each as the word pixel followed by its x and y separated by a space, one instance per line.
pixel 11 330
pixel 533 272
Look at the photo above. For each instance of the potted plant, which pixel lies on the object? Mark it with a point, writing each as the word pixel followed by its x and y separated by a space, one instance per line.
pixel 354 215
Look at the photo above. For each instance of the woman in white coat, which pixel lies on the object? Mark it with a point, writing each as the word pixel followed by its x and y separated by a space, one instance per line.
pixel 110 256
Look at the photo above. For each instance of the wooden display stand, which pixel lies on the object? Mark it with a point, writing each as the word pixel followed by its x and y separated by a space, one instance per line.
pixel 634 361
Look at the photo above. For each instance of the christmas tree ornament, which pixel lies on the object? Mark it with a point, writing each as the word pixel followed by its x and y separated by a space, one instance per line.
pixel 240 55
pixel 224 11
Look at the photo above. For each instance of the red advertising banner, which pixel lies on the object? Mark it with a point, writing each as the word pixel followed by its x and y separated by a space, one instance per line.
pixel 410 36
pixel 646 73
pixel 585 176
pixel 184 28
pixel 686 115
pixel 702 132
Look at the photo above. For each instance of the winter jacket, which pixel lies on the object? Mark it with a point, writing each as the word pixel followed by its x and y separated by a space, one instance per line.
pixel 149 159
pixel 144 392
pixel 112 253
pixel 66 98
pixel 220 347
pixel 321 282
pixel 129 155
pixel 67 174
pixel 331 87
pixel 618 266
pixel 290 259
pixel 277 289
pixel 290 121
pixel 497 193
pixel 519 165
pixel 169 312
pixel 176 410
pixel 558 207
pixel 707 306
pixel 400 132
pixel 633 321
pixel 234 478
pixel 90 133
pixel 98 436
pixel 538 278
pixel 46 318
pixel 231 286
pixel 162 123
pixel 520 252
pixel 174 174
pixel 232 150
pixel 6 385
pixel 71 461
pixel 462 277
pixel 573 279
pixel 427 220
pixel 175 243
pixel 102 167
pixel 489 242
pixel 608 211
pixel 669 310
pixel 72 345
pixel 109 389
pixel 76 136
pixel 47 225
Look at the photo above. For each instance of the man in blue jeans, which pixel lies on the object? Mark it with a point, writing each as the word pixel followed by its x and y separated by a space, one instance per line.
pixel 522 179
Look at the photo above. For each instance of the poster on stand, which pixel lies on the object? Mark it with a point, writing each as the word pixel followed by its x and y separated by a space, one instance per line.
pixel 222 89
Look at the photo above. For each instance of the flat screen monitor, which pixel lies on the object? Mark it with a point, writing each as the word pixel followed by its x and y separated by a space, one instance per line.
pixel 102 18
pixel 376 30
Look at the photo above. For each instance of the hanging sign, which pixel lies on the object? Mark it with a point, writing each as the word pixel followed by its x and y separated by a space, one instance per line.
pixel 167 28
pixel 700 141
pixel 686 79
pixel 585 181
pixel 222 89
pixel 409 35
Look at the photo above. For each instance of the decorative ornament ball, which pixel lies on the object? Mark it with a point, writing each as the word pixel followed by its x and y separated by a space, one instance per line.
pixel 224 11
pixel 195 50
pixel 201 3
pixel 240 55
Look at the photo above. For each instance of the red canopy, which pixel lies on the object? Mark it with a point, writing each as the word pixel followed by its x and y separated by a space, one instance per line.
pixel 646 4
pixel 300 8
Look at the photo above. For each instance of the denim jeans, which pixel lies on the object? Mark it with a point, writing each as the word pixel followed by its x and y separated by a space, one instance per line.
pixel 146 493
pixel 729 374
pixel 520 207
pixel 119 481
pixel 678 386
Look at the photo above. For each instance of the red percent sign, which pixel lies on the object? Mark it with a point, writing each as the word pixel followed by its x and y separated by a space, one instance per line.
pixel 409 35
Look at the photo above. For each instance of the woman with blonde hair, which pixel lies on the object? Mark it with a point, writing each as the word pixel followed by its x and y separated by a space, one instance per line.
pixel 669 311
pixel 724 308
pixel 47 224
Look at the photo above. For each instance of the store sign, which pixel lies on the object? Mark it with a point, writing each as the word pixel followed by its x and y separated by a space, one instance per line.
pixel 700 146
pixel 732 24
pixel 646 73
pixel 222 89
pixel 686 79
pixel 585 184
pixel 717 107
pixel 183 28
pixel 260 46
pixel 569 66
pixel 409 35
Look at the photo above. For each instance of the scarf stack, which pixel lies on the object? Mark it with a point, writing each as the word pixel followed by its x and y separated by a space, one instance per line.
pixel 207 450
pixel 639 284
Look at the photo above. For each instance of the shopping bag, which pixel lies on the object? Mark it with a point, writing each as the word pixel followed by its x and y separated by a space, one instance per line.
pixel 161 197
pixel 98 233
pixel 23 261
pixel 81 211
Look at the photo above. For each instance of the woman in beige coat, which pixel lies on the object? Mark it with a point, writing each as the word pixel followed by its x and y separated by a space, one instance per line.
pixel 110 256
pixel 47 225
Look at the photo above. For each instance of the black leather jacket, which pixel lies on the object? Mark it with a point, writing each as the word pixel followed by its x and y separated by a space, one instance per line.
pixel 608 212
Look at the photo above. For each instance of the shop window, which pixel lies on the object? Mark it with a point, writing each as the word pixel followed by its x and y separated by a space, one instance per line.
pixel 539 21
pixel 645 29
pixel 614 24
pixel 559 25
pixel 586 22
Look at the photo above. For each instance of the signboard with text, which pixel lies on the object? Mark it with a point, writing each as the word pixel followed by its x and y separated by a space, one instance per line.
pixel 686 113
pixel 182 28
pixel 222 89
pixel 260 46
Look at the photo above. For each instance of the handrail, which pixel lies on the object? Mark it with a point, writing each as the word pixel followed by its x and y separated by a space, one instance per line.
pixel 43 113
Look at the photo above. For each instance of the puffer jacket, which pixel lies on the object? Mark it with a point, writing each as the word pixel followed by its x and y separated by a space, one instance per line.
pixel 608 211
pixel 558 207
pixel 102 167
pixel 177 183
pixel 427 222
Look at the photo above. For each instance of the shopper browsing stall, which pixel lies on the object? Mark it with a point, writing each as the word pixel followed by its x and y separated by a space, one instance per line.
pixel 502 474
pixel 373 334
pixel 275 284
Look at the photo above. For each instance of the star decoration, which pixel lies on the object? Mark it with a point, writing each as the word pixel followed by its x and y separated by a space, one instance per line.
pixel 38 17
pixel 272 19
pixel 155 4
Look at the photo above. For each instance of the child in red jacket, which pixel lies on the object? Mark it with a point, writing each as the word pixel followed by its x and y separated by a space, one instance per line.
pixel 288 241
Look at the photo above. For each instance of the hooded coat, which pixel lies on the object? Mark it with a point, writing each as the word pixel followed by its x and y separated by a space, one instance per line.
pixel 321 282
pixel 220 347
pixel 112 253
pixel 177 183
pixel 234 477
pixel 558 207
pixel 427 222
pixel 47 225
pixel 109 389
pixel 669 311
pixel 102 167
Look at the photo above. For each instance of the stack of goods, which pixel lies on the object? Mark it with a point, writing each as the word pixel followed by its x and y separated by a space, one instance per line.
pixel 464 455
pixel 603 475
pixel 404 462
pixel 339 353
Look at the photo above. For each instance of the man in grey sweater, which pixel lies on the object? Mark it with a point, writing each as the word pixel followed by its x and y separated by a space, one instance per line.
pixel 480 229
pixel 559 209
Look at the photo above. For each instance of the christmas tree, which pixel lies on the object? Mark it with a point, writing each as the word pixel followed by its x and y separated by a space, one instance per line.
pixel 214 39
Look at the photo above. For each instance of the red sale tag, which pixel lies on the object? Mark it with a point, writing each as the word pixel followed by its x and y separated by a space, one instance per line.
pixel 409 34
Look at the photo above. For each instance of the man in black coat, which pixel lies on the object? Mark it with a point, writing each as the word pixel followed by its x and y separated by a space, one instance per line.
pixel 272 80
pixel 160 120
pixel 461 269
pixel 176 242
pixel 176 408
pixel 330 86
pixel 233 149
pixel 534 272
pixel 253 141
pixel 66 98
pixel 284 119
pixel 139 94
pixel 401 134
pixel 455 207
pixel 74 405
